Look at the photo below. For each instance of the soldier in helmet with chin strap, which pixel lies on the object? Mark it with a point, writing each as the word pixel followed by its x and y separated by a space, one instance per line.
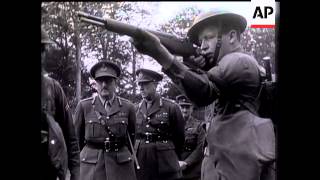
pixel 240 144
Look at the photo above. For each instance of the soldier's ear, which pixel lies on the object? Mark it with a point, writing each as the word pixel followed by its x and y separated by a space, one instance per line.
pixel 232 36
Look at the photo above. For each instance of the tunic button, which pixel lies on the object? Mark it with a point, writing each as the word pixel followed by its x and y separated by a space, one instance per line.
pixel 90 121
pixel 148 118
pixel 83 159
pixel 161 122
pixel 108 117
pixel 147 125
pixel 122 122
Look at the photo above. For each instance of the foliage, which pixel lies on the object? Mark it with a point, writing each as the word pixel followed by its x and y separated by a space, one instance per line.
pixel 98 44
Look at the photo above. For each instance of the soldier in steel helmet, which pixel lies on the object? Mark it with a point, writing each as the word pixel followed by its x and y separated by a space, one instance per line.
pixel 59 145
pixel 240 144
pixel 105 126
pixel 160 131
pixel 192 153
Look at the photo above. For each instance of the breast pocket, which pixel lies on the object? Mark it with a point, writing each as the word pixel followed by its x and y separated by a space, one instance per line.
pixel 94 129
pixel 118 126
pixel 160 122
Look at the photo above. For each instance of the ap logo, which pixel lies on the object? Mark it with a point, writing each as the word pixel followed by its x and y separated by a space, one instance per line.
pixel 263 13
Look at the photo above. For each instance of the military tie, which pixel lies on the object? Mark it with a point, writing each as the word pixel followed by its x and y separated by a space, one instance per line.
pixel 107 106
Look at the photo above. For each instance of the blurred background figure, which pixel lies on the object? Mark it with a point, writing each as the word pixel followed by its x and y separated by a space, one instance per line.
pixel 192 153
pixel 59 145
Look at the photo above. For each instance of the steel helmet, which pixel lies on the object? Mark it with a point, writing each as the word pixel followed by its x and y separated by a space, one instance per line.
pixel 213 17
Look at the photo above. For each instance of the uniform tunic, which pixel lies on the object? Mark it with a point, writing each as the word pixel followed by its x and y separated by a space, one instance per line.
pixel 159 159
pixel 54 102
pixel 241 145
pixel 94 125
pixel 193 148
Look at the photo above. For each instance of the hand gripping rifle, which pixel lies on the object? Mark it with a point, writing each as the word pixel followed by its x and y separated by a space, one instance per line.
pixel 175 45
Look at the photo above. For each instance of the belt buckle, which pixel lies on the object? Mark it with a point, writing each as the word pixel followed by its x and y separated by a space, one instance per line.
pixel 107 144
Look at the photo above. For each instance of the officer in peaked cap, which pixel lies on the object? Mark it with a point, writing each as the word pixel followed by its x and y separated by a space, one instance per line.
pixel 103 124
pixel 146 75
pixel 231 79
pixel 160 131
pixel 183 100
pixel 105 69
pixel 192 153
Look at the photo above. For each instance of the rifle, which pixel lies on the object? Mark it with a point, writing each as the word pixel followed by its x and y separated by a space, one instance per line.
pixel 177 46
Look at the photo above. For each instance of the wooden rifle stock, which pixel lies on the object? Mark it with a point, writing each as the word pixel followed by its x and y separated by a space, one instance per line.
pixel 175 45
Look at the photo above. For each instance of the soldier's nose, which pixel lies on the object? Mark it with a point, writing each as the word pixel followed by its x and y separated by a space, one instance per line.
pixel 204 46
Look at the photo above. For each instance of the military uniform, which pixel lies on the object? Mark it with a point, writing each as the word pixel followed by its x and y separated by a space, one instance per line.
pixel 59 144
pixel 241 145
pixel 193 148
pixel 103 135
pixel 160 137
pixel 55 103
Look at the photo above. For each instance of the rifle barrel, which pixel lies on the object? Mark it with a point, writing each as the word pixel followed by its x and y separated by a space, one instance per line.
pixel 91 21
pixel 174 44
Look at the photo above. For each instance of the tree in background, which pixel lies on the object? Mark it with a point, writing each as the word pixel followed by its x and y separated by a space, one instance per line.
pixel 77 42
pixel 64 59
pixel 80 45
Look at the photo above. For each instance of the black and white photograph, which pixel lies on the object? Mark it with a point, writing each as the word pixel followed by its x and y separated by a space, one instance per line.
pixel 159 90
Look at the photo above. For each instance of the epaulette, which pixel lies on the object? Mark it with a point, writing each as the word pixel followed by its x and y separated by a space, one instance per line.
pixel 121 99
pixel 87 99
pixel 168 100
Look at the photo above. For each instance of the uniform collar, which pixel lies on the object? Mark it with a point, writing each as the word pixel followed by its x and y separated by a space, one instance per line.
pixel 236 49
pixel 115 105
pixel 110 102
pixel 156 104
